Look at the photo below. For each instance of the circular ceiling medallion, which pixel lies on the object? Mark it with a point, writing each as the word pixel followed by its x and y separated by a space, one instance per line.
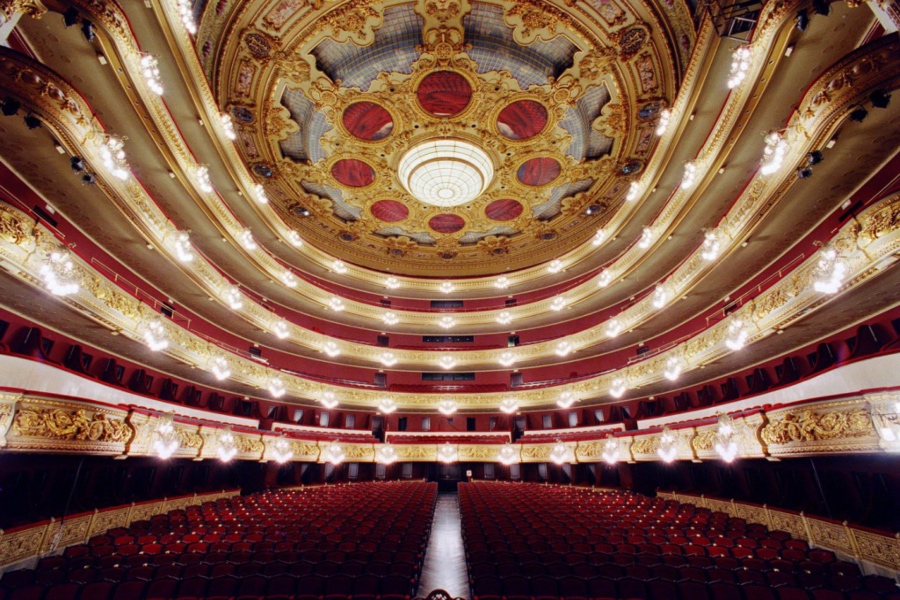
pixel 446 223
pixel 445 172
pixel 353 173
pixel 368 121
pixel 444 93
pixel 539 171
pixel 389 211
pixel 522 120
pixel 503 210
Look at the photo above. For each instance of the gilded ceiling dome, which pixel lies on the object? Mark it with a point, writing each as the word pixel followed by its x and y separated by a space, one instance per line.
pixel 465 137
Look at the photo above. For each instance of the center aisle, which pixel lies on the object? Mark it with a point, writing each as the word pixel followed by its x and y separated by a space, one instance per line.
pixel 445 559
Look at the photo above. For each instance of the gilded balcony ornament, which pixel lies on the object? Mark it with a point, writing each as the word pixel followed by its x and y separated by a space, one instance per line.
pixel 812 426
pixel 32 8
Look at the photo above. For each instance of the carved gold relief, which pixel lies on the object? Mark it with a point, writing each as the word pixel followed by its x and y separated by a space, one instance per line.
pixel 809 425
pixel 59 424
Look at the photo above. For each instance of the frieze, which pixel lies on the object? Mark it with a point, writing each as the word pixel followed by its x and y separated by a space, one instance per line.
pixel 62 424
pixel 809 425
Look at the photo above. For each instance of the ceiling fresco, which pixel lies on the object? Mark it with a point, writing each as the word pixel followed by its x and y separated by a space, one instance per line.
pixel 444 137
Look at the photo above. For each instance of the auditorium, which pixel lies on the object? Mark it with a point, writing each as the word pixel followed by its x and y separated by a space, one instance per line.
pixel 449 299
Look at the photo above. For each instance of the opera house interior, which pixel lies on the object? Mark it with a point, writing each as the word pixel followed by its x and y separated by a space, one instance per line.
pixel 449 299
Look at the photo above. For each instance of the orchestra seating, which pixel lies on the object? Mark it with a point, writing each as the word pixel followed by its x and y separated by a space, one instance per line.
pixel 530 541
pixel 363 540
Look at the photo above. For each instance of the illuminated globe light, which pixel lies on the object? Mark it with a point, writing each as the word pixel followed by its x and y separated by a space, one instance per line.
pixel 445 172
pixel 559 454
pixel 509 405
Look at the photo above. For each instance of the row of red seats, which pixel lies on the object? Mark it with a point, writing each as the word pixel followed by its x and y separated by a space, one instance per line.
pixel 702 566
pixel 133 563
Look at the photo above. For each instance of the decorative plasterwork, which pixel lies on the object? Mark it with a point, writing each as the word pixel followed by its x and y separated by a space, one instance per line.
pixel 869 546
pixel 873 236
pixel 54 535
pixel 274 270
pixel 817 115
pixel 814 428
pixel 286 11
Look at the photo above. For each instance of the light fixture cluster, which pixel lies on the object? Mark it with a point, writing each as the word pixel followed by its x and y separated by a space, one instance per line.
pixel 388 359
pixel 829 272
pixel 667 449
pixel 508 454
pixel 227 446
pixel 331 349
pixel 201 174
pixel 447 362
pixel 711 246
pixel 247 240
pixel 233 297
pixel 673 368
pixel 58 274
pixel 166 442
pixel 555 266
pixel 605 278
pixel 504 317
pixel 618 387
pixel 613 328
pixel 740 64
pixel 276 387
pixel 392 283
pixel 448 453
pixel 501 283
pixel 329 400
pixel 228 126
pixel 294 238
pixel 112 153
pixel 598 238
pixel 387 405
pixel 660 296
pixel 220 367
pixel 281 450
pixel 565 400
pixel 150 70
pixel 447 407
pixel 184 251
pixel 646 238
pixel 726 445
pixel 447 322
pixel 261 197
pixel 155 335
pixel 386 454
pixel 186 12
pixel 736 336
pixel 336 304
pixel 506 359
pixel 558 303
pixel 690 175
pixel 663 124
pixel 773 154
pixel 611 450
pixel 559 454
pixel 390 318
pixel 509 405
pixel 446 287
pixel 339 267
pixel 634 189
pixel 288 279
pixel 280 329
pixel 564 348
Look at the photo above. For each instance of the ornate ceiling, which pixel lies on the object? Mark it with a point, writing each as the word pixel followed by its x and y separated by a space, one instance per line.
pixel 563 102
pixel 608 174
